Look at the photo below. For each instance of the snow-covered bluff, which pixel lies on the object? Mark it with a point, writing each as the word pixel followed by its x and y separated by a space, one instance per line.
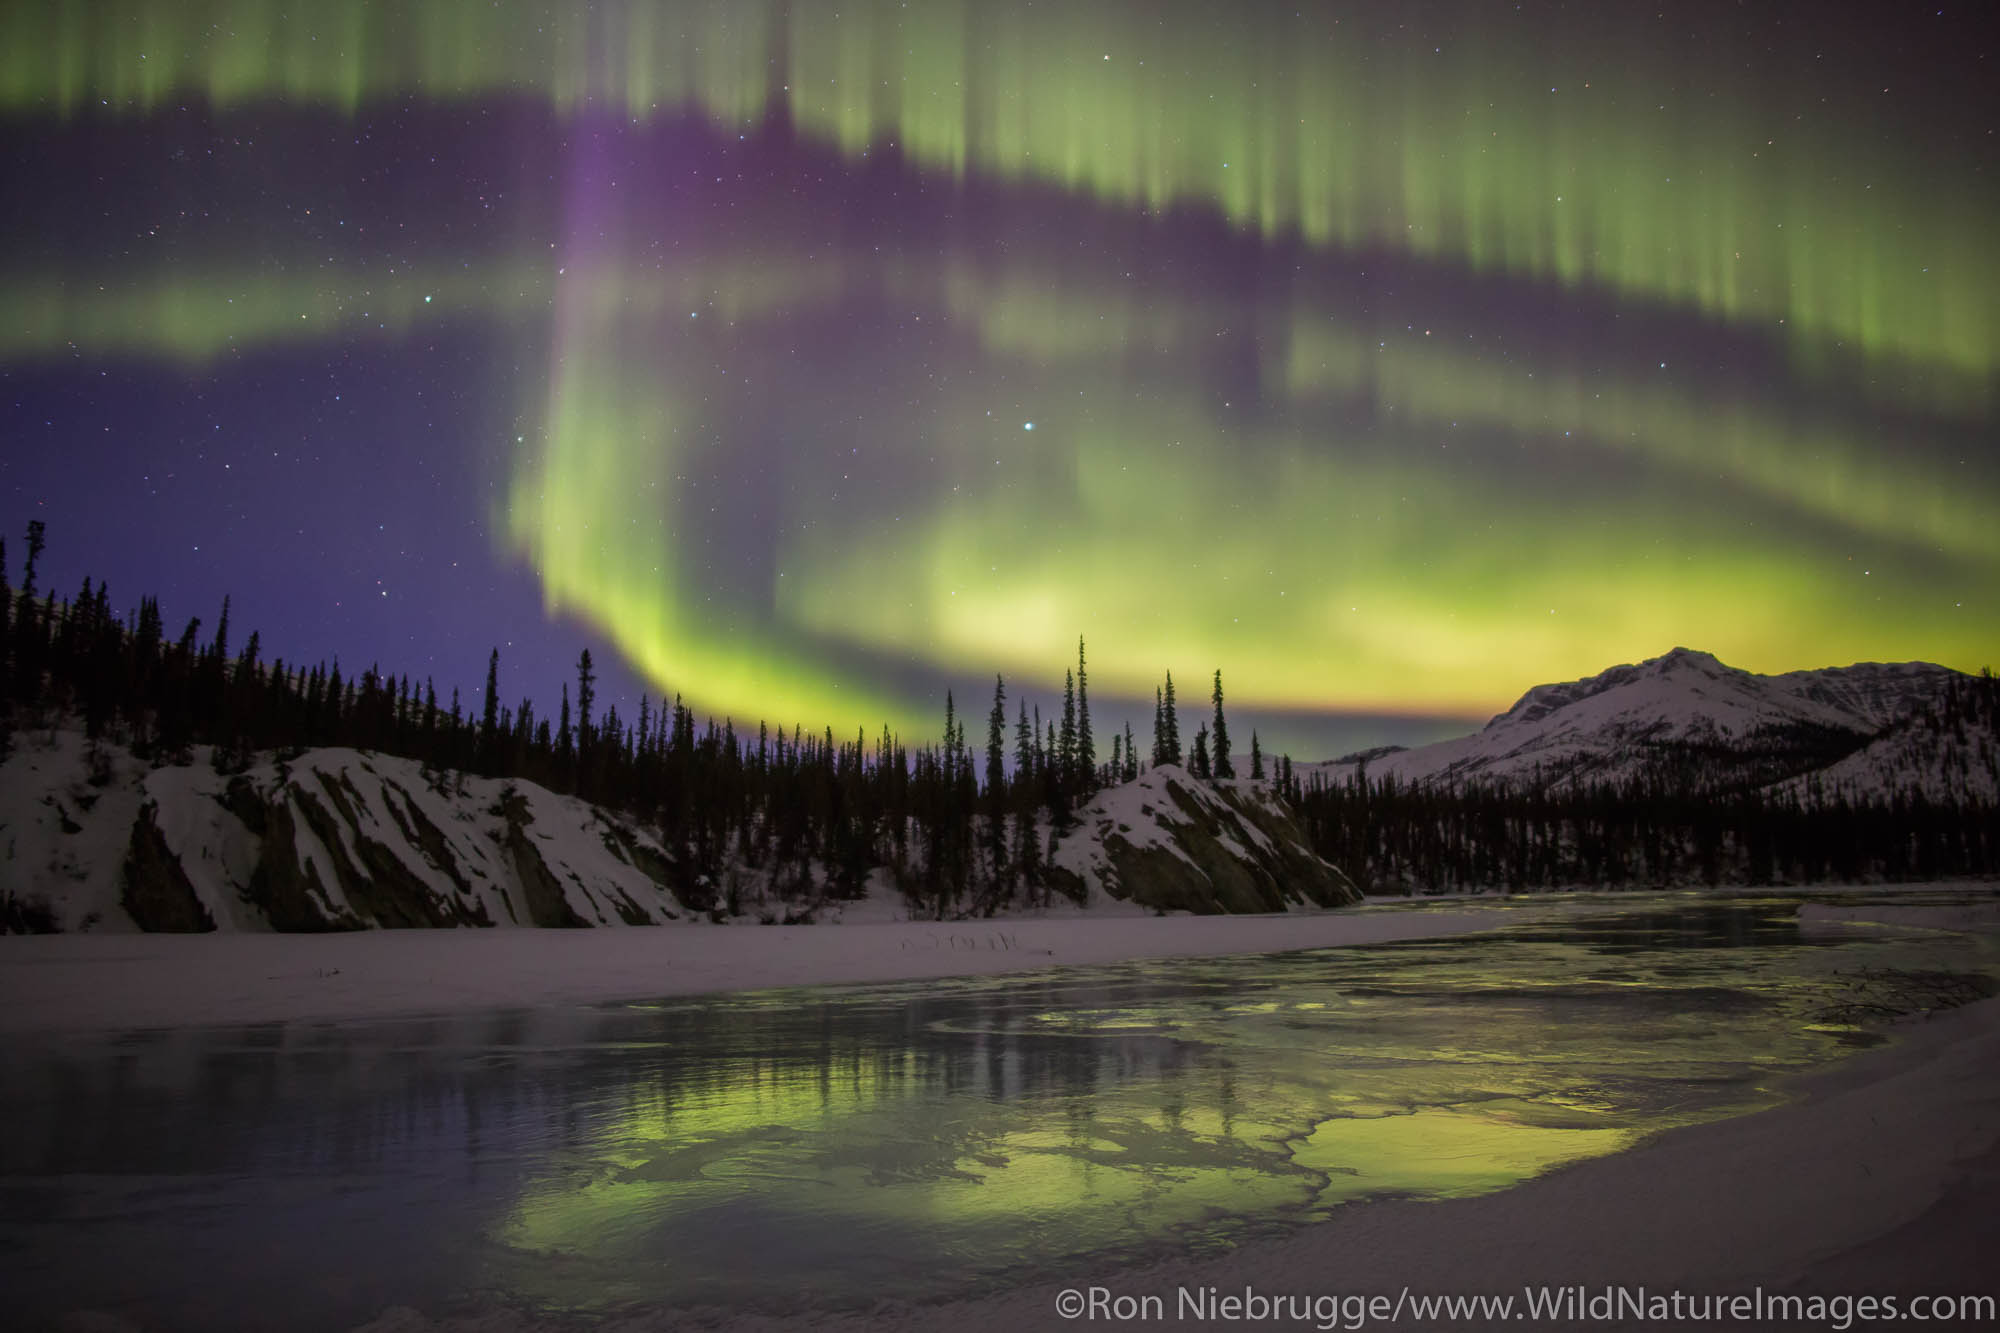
pixel 92 838
pixel 332 840
pixel 1171 842
pixel 1691 719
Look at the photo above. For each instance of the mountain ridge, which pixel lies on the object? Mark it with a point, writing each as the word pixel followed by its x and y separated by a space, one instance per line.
pixel 1688 719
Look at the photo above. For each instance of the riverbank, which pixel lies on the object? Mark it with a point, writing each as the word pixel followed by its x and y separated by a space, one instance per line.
pixel 71 983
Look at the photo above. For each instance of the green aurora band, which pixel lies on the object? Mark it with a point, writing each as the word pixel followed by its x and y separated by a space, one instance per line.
pixel 1400 514
pixel 1345 131
pixel 1353 564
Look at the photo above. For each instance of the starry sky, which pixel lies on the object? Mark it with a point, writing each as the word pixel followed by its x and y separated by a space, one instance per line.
pixel 809 359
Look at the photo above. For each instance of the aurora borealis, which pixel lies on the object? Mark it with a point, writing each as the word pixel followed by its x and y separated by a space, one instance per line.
pixel 812 357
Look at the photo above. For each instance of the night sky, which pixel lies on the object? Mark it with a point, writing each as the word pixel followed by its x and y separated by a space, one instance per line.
pixel 808 358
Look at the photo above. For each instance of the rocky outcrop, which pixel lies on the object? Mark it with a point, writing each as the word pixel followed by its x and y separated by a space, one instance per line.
pixel 286 885
pixel 158 894
pixel 1170 842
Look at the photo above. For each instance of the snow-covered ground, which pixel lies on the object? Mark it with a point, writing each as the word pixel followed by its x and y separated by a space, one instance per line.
pixel 1972 916
pixel 90 981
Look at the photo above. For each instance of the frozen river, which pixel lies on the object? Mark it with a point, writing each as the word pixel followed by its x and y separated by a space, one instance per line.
pixel 830 1147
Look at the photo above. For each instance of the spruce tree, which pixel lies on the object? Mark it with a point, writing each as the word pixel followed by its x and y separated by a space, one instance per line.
pixel 586 698
pixel 37 540
pixel 1086 748
pixel 1223 768
pixel 996 782
pixel 1131 757
pixel 565 736
pixel 996 739
pixel 1198 765
pixel 1173 746
pixel 24 634
pixel 1256 758
pixel 1159 729
pixel 1024 752
pixel 1066 747
pixel 489 721
pixel 6 604
pixel 950 735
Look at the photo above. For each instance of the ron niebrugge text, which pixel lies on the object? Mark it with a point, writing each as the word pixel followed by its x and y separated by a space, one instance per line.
pixel 1532 1304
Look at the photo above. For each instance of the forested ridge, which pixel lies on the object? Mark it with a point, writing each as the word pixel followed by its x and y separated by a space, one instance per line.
pixel 963 829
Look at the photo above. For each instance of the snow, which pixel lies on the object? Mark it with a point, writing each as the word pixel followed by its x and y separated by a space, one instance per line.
pixel 1968 917
pixel 47 789
pixel 111 981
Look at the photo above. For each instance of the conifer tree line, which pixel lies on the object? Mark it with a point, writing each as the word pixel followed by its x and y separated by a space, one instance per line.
pixel 1670 827
pixel 813 813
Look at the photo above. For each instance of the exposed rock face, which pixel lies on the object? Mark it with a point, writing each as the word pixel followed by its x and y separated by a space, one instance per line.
pixel 1171 842
pixel 158 895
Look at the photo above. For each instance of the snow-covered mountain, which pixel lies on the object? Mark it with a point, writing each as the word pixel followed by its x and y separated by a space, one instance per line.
pixel 1689 720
